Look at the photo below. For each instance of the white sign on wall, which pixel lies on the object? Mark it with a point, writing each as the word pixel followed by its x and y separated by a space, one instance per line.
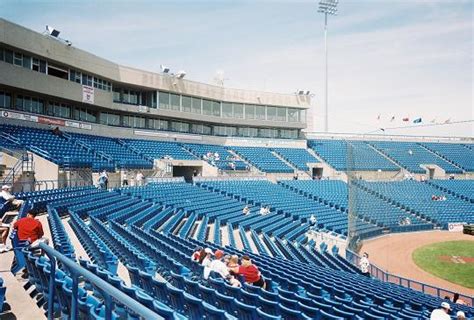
pixel 455 227
pixel 88 94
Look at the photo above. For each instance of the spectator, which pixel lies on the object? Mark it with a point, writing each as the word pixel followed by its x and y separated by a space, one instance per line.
pixel 364 265
pixel 104 180
pixel 139 178
pixel 457 300
pixel 313 220
pixel 9 199
pixel 233 262
pixel 410 152
pixel 262 210
pixel 4 229
pixel 267 210
pixel 295 177
pixel 207 257
pixel 218 266
pixel 57 132
pixel 441 313
pixel 202 255
pixel 196 254
pixel 460 315
pixel 29 229
pixel 232 165
pixel 216 156
pixel 125 179
pixel 246 210
pixel 249 272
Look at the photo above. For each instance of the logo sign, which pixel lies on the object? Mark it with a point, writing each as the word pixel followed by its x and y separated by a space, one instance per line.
pixel 455 227
pixel 88 94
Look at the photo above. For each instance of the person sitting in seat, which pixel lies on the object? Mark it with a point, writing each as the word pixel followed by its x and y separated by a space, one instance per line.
pixel 313 221
pixel 9 199
pixel 262 210
pixel 441 313
pixel 4 229
pixel 29 229
pixel 246 210
pixel 364 265
pixel 249 272
pixel 206 261
pixel 217 265
pixel 196 254
pixel 460 315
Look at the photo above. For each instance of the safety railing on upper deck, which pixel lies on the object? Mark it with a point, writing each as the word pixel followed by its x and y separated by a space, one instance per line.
pixel 110 294
pixel 385 276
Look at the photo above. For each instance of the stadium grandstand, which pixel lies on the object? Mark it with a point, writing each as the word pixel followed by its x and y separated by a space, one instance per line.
pixel 132 172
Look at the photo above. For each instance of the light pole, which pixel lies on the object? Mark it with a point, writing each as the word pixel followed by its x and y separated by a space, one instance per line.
pixel 328 7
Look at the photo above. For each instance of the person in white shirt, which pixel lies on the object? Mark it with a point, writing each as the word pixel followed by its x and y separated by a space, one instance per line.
pixel 262 210
pixel 139 178
pixel 206 262
pixel 441 313
pixel 13 203
pixel 460 315
pixel 313 221
pixel 364 265
pixel 246 210
pixel 219 266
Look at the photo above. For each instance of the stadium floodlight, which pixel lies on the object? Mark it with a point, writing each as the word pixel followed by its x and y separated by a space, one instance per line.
pixel 180 74
pixel 52 31
pixel 164 69
pixel 307 92
pixel 328 7
pixel 301 92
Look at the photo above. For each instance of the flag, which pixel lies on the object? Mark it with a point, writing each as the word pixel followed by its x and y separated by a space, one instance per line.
pixel 378 117
pixel 448 121
pixel 417 120
pixel 433 121
pixel 406 119
pixel 393 118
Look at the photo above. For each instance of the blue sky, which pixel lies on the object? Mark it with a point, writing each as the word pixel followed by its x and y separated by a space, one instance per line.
pixel 394 58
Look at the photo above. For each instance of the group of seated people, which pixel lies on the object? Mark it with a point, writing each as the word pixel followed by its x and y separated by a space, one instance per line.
pixel 264 210
pixel 27 228
pixel 404 221
pixel 438 198
pixel 212 157
pixel 228 267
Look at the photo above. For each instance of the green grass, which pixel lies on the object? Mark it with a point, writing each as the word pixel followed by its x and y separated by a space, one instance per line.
pixel 427 258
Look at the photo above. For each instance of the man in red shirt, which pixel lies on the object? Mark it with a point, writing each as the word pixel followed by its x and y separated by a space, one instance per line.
pixel 249 272
pixel 29 228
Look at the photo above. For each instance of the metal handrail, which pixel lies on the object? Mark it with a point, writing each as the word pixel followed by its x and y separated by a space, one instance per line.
pixel 385 276
pixel 110 293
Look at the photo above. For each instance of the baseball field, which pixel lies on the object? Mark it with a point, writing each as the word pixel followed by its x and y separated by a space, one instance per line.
pixel 451 260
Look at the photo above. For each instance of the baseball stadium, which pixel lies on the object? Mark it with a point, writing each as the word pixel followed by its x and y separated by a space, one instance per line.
pixel 131 191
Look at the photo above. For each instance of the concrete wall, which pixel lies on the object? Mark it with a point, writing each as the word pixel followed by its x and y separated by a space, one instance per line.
pixel 52 49
pixel 44 169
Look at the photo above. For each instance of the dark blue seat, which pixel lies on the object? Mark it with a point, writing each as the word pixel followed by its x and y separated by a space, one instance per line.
pixel 265 316
pixel 224 302
pixel 245 311
pixel 327 316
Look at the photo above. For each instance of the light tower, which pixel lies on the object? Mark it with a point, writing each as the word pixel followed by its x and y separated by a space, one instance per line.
pixel 328 7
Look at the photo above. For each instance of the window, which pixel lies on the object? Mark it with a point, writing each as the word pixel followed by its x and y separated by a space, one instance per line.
pixel 75 76
pixel 26 62
pixel 87 80
pixel 18 59
pixel 281 114
pixel 248 132
pixel 175 102
pixel 238 111
pixel 117 95
pixel 249 112
pixel 216 108
pixel 303 116
pixel 207 107
pixel 260 112
pixel 57 71
pixel 19 102
pixel 179 126
pixel 109 119
pixel 187 102
pixel 39 65
pixel 2 54
pixel 5 100
pixel 196 108
pixel 225 131
pixel 293 115
pixel 271 113
pixel 164 100
pixel 83 114
pixel 268 133
pixel 57 109
pixel 227 111
pixel 289 134
pixel 8 56
pixel 157 124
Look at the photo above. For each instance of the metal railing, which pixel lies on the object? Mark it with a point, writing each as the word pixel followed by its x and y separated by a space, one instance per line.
pixel 385 276
pixel 111 294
